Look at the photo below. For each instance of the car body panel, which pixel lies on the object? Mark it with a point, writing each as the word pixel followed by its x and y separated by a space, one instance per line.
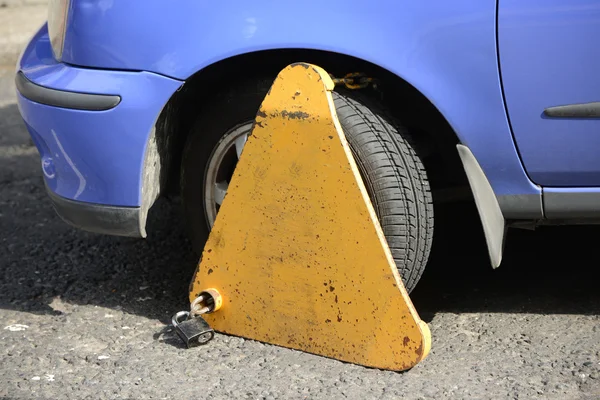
pixel 92 156
pixel 549 57
pixel 483 64
pixel 447 50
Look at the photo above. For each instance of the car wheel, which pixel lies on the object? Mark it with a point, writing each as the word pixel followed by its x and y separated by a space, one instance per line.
pixel 393 173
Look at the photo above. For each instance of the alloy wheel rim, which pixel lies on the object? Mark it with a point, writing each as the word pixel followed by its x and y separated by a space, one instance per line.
pixel 220 167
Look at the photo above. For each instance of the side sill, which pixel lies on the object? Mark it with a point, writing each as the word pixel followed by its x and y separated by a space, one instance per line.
pixel 571 203
pixel 492 220
pixel 521 206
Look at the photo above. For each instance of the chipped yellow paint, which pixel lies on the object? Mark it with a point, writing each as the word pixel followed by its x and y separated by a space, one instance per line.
pixel 297 251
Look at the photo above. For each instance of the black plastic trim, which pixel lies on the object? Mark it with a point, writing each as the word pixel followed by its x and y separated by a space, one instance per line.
pixel 99 218
pixel 523 206
pixel 583 110
pixel 61 98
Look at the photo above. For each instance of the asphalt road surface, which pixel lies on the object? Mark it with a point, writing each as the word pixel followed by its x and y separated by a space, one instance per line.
pixel 86 316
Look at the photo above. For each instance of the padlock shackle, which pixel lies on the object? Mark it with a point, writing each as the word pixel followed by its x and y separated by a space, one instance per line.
pixel 176 320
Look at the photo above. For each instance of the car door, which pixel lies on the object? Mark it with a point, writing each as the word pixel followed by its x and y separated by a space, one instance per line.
pixel 550 72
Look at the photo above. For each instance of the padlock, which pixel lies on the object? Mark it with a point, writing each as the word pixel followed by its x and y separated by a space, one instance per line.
pixel 193 331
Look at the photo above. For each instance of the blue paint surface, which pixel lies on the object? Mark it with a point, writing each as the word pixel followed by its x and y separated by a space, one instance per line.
pixel 549 57
pixel 92 156
pixel 446 50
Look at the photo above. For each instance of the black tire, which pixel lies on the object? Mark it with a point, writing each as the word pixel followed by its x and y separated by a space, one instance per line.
pixel 392 171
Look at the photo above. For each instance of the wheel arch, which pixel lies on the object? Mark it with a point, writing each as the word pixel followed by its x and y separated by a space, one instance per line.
pixel 434 133
pixel 403 99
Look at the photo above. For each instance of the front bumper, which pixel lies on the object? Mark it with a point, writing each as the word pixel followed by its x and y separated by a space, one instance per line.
pixel 100 218
pixel 92 129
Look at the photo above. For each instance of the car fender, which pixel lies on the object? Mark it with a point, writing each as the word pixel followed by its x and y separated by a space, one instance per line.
pixel 447 50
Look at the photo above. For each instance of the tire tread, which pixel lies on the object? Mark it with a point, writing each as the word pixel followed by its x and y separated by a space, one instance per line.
pixel 396 178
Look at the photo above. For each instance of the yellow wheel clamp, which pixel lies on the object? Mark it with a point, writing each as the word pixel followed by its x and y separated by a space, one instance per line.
pixel 296 256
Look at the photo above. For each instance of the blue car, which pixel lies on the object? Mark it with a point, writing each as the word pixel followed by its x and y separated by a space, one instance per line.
pixel 127 101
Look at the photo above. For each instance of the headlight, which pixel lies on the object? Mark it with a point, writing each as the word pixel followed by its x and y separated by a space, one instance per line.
pixel 57 24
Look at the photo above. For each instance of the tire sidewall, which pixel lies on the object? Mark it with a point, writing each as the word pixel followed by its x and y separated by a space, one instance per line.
pixel 234 107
